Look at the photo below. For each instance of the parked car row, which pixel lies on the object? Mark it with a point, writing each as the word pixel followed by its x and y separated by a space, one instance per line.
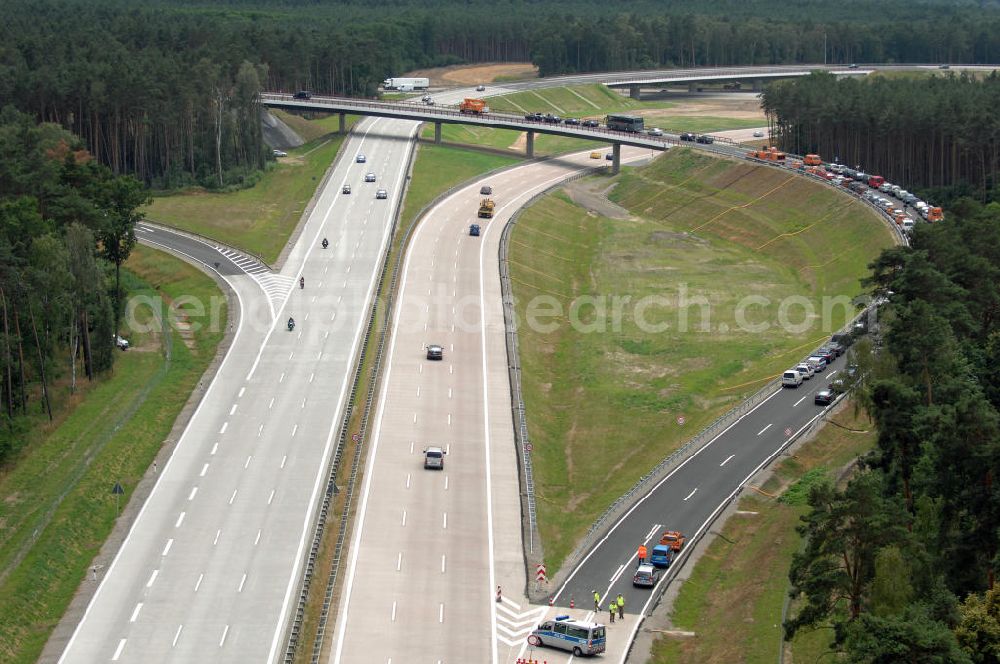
pixel 704 139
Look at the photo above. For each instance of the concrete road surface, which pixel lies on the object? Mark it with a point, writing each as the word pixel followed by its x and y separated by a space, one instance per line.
pixel 208 570
pixel 430 547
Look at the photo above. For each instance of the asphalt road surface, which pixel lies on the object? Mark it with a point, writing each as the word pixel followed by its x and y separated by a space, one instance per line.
pixel 430 547
pixel 208 570
pixel 688 498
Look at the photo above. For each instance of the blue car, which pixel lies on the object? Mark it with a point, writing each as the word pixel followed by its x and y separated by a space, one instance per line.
pixel 474 230
pixel 662 555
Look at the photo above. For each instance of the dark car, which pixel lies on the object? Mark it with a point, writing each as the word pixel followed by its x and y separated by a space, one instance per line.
pixel 826 354
pixel 474 230
pixel 534 117
pixel 610 156
pixel 824 398
pixel 302 94
pixel 706 139
pixel 571 121
pixel 687 137
pixel 591 123
pixel 836 347
pixel 435 352
pixel 852 66
pixel 552 119
pixel 486 190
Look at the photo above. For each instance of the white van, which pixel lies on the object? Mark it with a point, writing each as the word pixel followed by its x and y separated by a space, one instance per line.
pixel 907 224
pixel 806 370
pixel 791 378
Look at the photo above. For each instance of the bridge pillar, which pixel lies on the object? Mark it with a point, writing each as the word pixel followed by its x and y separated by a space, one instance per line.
pixel 343 123
pixel 437 132
pixel 530 145
pixel 616 153
pixel 634 92
pixel 758 85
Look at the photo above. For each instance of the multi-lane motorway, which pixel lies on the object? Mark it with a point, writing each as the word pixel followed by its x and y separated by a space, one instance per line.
pixel 209 568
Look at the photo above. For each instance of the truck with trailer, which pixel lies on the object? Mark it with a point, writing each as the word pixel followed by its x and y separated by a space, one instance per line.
pixel 405 84
pixel 473 107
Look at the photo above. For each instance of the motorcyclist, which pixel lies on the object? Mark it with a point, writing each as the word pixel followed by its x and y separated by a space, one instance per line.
pixel 302 282
pixel 325 243
pixel 291 323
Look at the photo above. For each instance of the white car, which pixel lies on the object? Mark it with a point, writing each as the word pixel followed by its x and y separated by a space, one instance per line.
pixel 121 342
pixel 280 153
pixel 360 159
pixel 806 370
pixel 381 194
pixel 480 88
pixel 655 132
pixel 758 134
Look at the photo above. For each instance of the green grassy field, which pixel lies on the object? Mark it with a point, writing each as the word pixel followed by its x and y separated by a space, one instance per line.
pixel 508 139
pixel 699 124
pixel 438 168
pixel 701 230
pixel 734 597
pixel 259 219
pixel 571 101
pixel 57 508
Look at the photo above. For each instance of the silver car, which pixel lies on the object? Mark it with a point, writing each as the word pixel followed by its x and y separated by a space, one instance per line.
pixel 645 576
pixel 434 458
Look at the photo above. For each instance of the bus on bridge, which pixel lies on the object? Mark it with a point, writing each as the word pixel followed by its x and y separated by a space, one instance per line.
pixel 629 123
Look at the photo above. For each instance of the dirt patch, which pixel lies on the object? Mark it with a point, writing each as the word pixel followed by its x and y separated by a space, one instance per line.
pixel 593 196
pixel 732 106
pixel 475 74
pixel 669 237
pixel 521 144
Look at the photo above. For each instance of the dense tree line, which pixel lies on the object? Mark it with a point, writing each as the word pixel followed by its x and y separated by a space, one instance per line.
pixel 939 135
pixel 66 226
pixel 903 560
pixel 166 89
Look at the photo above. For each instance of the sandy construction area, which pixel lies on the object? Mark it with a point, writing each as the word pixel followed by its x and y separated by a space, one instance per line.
pixel 476 74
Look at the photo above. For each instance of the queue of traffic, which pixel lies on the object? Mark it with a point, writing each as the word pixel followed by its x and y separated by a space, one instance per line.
pixel 891 198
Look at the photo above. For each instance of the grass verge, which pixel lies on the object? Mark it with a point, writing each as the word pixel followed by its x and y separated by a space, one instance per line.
pixel 259 219
pixel 574 101
pixel 57 506
pixel 436 169
pixel 734 597
pixel 712 283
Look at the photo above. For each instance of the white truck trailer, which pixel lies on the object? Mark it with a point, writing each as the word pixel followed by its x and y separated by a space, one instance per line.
pixel 406 84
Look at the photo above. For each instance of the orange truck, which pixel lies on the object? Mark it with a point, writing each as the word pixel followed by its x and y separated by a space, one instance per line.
pixel 674 539
pixel 813 160
pixel 474 107
pixel 767 154
pixel 934 214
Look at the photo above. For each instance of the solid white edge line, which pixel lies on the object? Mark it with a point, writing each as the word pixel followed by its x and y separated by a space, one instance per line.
pixel 283 615
pixel 711 517
pixel 649 493
pixel 183 438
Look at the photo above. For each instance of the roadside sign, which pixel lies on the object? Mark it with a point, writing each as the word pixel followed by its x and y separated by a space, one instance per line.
pixel 356 437
pixel 680 420
pixel 527 447
pixel 533 640
pixel 118 491
pixel 788 432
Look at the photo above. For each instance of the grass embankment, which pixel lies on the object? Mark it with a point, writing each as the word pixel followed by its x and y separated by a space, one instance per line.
pixel 57 507
pixel 435 170
pixel 579 101
pixel 733 600
pixel 604 394
pixel 259 219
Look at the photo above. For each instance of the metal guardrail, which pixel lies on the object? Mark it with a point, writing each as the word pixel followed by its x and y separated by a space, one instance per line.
pixel 522 440
pixel 421 113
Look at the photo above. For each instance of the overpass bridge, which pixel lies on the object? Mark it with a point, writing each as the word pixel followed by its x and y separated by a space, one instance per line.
pixel 755 75
pixel 450 115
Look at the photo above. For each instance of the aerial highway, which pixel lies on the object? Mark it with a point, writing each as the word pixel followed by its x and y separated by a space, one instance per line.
pixel 209 567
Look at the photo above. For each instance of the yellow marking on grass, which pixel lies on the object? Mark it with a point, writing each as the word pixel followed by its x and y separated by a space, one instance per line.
pixel 745 205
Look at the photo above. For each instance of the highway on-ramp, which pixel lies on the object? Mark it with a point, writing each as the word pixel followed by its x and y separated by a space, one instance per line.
pixel 210 565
